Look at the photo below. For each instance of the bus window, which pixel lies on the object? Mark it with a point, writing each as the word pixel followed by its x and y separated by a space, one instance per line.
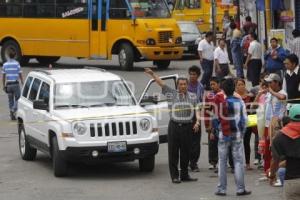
pixel 118 9
pixel 150 8
pixel 193 3
pixel 181 4
pixel 10 10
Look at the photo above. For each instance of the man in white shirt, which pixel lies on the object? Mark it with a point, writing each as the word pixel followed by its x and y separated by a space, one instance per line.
pixel 295 47
pixel 221 60
pixel 291 81
pixel 253 62
pixel 206 55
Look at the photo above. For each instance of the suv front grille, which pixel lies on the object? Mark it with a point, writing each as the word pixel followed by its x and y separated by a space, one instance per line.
pixel 113 129
pixel 165 36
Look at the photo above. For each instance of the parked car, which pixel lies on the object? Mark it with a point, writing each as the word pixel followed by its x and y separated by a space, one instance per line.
pixel 87 115
pixel 191 36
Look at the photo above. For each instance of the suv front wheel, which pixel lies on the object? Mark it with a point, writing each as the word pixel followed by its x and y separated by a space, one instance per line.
pixel 27 152
pixel 147 164
pixel 59 164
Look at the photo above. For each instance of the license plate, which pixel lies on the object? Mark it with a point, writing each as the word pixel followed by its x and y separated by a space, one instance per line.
pixel 116 147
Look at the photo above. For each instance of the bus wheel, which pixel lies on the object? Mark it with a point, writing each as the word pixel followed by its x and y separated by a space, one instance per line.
pixel 162 64
pixel 126 56
pixel 46 60
pixel 13 46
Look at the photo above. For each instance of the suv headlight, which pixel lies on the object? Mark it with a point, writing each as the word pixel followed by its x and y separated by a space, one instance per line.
pixel 79 128
pixel 145 124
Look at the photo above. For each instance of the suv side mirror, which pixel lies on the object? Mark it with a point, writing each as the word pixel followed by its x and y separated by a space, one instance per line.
pixel 40 105
pixel 149 99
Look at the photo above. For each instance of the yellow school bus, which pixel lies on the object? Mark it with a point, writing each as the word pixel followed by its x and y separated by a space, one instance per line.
pixel 200 11
pixel 135 30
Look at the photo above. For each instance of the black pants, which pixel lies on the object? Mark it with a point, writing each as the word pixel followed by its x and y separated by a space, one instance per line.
pixel 230 157
pixel 207 67
pixel 229 51
pixel 213 151
pixel 247 147
pixel 195 148
pixel 179 144
pixel 256 141
pixel 224 71
pixel 253 71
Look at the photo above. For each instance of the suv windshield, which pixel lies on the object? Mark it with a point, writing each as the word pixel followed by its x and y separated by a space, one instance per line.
pixel 92 94
pixel 149 8
pixel 189 28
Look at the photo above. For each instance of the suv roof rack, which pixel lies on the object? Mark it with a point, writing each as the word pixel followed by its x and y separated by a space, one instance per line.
pixel 94 68
pixel 43 71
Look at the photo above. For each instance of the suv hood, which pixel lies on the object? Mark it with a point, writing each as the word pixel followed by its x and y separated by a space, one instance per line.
pixel 100 112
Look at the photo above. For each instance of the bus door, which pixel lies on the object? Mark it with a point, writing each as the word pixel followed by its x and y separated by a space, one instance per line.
pixel 98 47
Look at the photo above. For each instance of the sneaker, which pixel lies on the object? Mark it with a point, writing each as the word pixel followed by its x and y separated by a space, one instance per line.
pixel 264 178
pixel 243 193
pixel 12 115
pixel 256 162
pixel 211 167
pixel 278 183
pixel 220 193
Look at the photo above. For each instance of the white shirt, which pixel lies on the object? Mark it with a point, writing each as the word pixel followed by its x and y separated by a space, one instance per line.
pixel 295 48
pixel 207 49
pixel 255 49
pixel 221 55
pixel 290 73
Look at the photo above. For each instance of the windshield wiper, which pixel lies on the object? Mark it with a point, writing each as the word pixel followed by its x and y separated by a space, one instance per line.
pixel 72 106
pixel 101 105
pixel 119 104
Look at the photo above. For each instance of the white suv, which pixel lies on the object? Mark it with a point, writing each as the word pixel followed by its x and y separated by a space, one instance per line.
pixel 85 115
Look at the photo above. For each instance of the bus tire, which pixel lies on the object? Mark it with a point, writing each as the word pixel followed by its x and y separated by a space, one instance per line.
pixel 162 64
pixel 126 56
pixel 46 60
pixel 11 45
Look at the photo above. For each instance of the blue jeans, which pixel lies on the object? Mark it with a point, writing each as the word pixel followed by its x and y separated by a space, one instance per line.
pixel 281 174
pixel 207 67
pixel 13 92
pixel 237 148
pixel 238 64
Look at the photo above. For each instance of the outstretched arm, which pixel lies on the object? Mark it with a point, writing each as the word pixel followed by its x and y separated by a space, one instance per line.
pixel 155 77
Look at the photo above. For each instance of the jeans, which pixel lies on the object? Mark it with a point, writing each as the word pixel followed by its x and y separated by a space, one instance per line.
pixel 238 159
pixel 13 92
pixel 207 67
pixel 281 174
pixel 238 64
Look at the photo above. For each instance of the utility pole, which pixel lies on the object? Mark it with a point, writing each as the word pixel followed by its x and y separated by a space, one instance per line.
pixel 213 16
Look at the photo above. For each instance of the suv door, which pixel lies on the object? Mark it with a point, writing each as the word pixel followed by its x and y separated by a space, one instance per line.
pixel 31 121
pixel 156 103
pixel 42 116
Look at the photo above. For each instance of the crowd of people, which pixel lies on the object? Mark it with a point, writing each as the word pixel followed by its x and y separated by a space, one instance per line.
pixel 232 111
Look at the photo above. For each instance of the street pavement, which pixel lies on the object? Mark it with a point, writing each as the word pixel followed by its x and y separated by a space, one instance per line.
pixel 34 180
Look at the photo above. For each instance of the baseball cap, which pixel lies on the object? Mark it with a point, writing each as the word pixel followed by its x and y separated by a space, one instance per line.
pixel 294 112
pixel 273 77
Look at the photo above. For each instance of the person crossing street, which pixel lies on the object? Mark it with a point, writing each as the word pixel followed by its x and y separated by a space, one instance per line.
pixel 11 74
